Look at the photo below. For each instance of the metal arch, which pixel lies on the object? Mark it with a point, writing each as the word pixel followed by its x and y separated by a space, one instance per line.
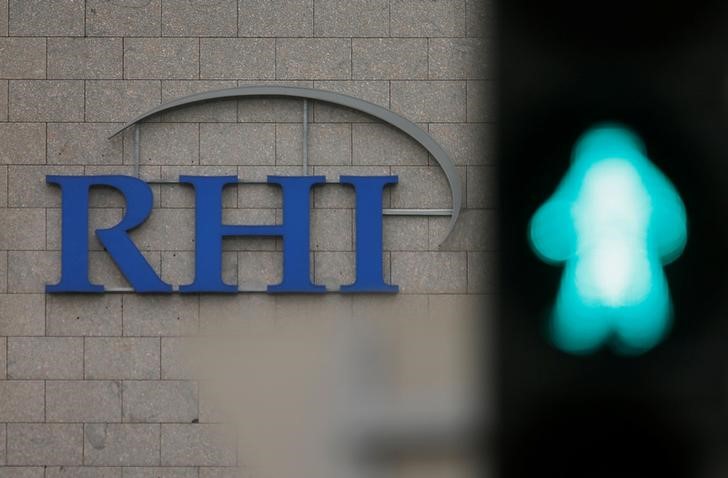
pixel 404 125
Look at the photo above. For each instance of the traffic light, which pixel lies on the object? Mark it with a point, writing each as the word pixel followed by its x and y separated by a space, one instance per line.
pixel 614 221
pixel 612 331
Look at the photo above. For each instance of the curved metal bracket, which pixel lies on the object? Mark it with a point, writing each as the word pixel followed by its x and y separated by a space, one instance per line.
pixel 393 119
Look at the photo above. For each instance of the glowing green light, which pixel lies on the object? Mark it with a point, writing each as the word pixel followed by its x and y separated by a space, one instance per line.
pixel 615 221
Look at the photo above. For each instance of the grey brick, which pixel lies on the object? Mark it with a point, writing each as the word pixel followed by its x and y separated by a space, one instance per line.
pixel 23 401
pixel 23 228
pixel 214 112
pixel 176 363
pixel 197 445
pixel 289 144
pixel 429 101
pixel 3 272
pixel 389 58
pixel 341 196
pixel 163 401
pixel 83 401
pixel 21 472
pixel 433 18
pixel 474 231
pixel 465 143
pixel 182 195
pixel 482 272
pixel 121 444
pixel 230 58
pixel 126 358
pixel 275 18
pixel 161 472
pixel 194 19
pixel 82 472
pixel 3 203
pixel 167 230
pixel 355 18
pixel 46 100
pixel 480 19
pixel 482 187
pixel 22 143
pixel 3 98
pixel 85 58
pixel 260 173
pixel 381 144
pixel 46 17
pixel 334 269
pixel 3 447
pixel 178 268
pixel 167 58
pixel 30 271
pixel 331 230
pixel 84 315
pixel 129 18
pixel 376 92
pixel 256 270
pixel 3 376
pixel 119 100
pixel 27 185
pixel 167 143
pixel 22 314
pixel 420 187
pixel 320 58
pixel 430 272
pixel 328 144
pixel 403 233
pixel 83 143
pixel 45 358
pixel 160 315
pixel 23 58
pixel 236 144
pixel 459 58
pixel 3 17
pixel 45 444
pixel 480 101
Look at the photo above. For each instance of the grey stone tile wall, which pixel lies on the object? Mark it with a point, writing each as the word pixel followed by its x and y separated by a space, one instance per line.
pixel 99 387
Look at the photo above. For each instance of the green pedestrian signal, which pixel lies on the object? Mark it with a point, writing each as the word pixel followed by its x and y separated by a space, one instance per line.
pixel 614 221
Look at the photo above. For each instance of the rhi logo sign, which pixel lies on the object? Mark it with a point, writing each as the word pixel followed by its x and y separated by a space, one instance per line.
pixel 209 227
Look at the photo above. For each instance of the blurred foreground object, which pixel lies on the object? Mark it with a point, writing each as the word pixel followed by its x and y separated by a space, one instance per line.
pixel 327 391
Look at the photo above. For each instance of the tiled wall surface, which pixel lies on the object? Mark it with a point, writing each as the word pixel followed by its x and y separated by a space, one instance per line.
pixel 92 386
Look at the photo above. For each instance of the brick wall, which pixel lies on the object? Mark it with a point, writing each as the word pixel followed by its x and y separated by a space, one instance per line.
pixel 93 386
